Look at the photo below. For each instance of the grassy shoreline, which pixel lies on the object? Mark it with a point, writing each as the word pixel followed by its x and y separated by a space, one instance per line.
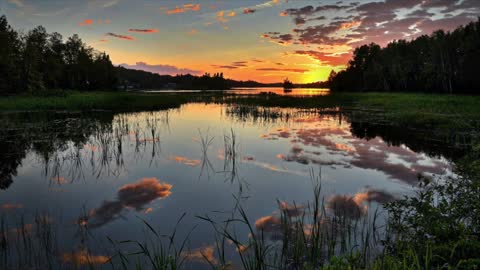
pixel 72 100
pixel 457 112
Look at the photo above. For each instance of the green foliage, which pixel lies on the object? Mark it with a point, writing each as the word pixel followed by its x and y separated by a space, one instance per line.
pixel 443 220
pixel 444 62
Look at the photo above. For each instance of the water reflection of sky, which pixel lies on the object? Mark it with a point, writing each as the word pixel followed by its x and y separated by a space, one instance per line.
pixel 162 173
pixel 256 91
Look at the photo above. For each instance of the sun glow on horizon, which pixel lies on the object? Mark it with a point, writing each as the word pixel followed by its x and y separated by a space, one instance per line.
pixel 262 40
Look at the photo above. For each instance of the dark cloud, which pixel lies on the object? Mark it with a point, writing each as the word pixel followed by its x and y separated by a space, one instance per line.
pixel 240 63
pixel 299 15
pixel 224 66
pixel 279 38
pixel 322 34
pixel 233 65
pixel 120 36
pixel 248 11
pixel 143 30
pixel 374 21
pixel 299 20
pixel 296 70
pixel 161 69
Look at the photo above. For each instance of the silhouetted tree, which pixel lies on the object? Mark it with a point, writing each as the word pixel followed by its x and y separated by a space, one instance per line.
pixel 9 58
pixel 39 61
pixel 442 62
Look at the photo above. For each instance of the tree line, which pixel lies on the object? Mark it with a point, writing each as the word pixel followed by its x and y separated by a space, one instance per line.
pixel 443 62
pixel 37 61
pixel 139 79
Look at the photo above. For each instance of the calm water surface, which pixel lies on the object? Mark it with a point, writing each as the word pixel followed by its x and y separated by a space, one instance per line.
pixel 108 171
pixel 256 91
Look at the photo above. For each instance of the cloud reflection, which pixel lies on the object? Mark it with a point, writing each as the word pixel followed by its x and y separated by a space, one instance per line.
pixel 11 206
pixel 323 141
pixel 83 257
pixel 185 161
pixel 354 206
pixel 131 196
pixel 203 255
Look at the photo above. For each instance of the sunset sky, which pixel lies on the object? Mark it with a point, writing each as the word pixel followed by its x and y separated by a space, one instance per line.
pixel 245 39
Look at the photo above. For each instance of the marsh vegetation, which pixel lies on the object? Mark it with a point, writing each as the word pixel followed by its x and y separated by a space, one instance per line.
pixel 269 186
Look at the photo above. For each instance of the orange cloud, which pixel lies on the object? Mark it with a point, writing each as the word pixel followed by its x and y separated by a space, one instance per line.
pixel 193 7
pixel 349 25
pixel 220 16
pixel 86 22
pixel 176 10
pixel 184 8
pixel 143 30
pixel 231 14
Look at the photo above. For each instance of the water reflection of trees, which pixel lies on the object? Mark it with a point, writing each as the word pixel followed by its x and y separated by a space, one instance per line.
pixel 44 134
pixel 364 125
pixel 64 143
pixel 67 142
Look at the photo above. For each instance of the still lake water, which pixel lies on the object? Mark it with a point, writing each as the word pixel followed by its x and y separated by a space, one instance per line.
pixel 108 171
pixel 255 91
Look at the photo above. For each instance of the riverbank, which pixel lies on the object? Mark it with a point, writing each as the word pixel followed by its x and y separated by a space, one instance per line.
pixel 428 110
pixel 72 100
